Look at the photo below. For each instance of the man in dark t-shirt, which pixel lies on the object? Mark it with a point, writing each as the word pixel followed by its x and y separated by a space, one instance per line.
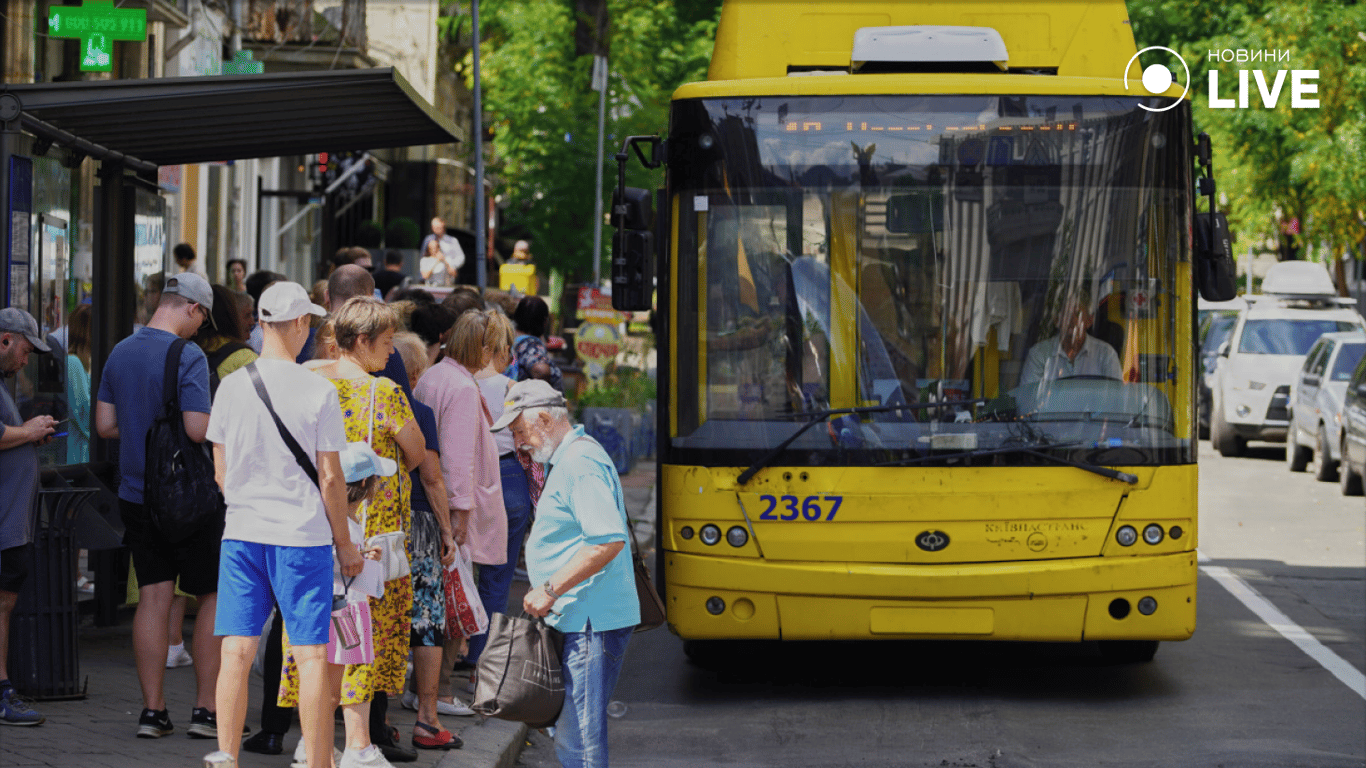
pixel 130 398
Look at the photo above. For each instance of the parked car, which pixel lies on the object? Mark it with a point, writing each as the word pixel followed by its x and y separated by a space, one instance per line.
pixel 1250 388
pixel 1315 432
pixel 1353 450
pixel 1214 331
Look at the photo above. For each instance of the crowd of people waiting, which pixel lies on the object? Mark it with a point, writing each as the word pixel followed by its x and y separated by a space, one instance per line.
pixel 400 409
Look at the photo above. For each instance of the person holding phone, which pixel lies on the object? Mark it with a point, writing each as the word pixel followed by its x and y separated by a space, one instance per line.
pixel 19 440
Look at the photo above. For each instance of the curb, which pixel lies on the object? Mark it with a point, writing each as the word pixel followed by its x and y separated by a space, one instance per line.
pixel 489 743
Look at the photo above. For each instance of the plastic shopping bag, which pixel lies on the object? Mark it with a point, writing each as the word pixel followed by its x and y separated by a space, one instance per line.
pixel 464 610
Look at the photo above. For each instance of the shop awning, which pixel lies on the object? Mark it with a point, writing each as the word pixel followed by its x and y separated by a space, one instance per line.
pixel 170 121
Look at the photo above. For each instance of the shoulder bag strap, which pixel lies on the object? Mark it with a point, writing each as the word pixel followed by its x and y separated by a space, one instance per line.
pixel 299 455
pixel 170 376
pixel 374 386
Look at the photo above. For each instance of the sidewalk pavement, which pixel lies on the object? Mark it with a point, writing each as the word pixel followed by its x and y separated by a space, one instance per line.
pixel 98 731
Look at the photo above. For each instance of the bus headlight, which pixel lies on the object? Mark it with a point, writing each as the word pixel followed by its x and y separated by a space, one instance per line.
pixel 1147 606
pixel 1126 535
pixel 710 534
pixel 1152 534
pixel 737 536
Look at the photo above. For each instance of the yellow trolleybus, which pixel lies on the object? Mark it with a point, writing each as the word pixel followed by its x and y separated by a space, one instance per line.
pixel 928 286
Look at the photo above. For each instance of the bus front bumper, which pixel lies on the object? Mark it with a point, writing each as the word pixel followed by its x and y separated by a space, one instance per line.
pixel 1097 598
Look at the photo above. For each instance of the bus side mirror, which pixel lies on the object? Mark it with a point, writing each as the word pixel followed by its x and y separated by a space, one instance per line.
pixel 633 250
pixel 632 210
pixel 1223 349
pixel 1215 271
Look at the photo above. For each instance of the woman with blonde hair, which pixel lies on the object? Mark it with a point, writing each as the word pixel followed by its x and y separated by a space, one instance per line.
pixel 495 581
pixel 469 454
pixel 377 412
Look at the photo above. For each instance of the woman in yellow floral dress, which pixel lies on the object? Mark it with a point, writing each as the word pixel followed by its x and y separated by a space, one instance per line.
pixel 364 329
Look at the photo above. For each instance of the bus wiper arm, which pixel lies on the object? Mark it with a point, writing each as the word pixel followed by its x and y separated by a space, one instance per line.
pixel 1032 450
pixel 815 417
pixel 1113 474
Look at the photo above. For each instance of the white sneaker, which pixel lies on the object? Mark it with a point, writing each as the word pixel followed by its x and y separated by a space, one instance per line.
pixel 177 656
pixel 301 756
pixel 456 708
pixel 370 757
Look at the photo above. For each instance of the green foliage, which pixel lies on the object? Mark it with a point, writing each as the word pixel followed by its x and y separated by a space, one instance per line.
pixel 539 96
pixel 370 234
pixel 621 387
pixel 402 233
pixel 1278 164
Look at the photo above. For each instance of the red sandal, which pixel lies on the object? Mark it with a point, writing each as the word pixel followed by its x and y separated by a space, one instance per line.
pixel 434 738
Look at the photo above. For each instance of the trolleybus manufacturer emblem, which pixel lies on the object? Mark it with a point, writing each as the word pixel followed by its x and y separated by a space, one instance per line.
pixel 932 541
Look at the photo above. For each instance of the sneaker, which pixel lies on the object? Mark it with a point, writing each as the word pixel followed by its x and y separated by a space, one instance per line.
pixel 300 759
pixel 219 759
pixel 456 708
pixel 177 656
pixel 153 724
pixel 204 724
pixel 13 711
pixel 370 757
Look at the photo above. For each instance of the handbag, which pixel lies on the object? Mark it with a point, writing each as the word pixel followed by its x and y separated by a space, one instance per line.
pixel 464 610
pixel 349 638
pixel 519 677
pixel 181 494
pixel 652 613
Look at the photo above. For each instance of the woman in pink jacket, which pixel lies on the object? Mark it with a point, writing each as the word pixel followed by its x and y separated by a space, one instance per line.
pixel 469 457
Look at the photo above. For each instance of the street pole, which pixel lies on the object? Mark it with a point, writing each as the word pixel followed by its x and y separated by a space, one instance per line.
pixel 600 84
pixel 480 214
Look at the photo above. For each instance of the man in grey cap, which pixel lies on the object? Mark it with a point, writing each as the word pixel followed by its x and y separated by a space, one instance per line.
pixel 577 554
pixel 19 439
pixel 130 397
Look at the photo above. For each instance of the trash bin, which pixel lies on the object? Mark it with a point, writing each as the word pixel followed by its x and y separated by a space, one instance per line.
pixel 44 662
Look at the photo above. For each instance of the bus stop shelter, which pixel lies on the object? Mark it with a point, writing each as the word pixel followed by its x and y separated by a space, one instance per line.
pixel 132 127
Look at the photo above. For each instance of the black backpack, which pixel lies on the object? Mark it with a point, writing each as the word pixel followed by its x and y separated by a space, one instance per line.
pixel 216 359
pixel 180 492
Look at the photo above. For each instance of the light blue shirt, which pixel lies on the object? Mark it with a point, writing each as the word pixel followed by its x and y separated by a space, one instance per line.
pixel 581 505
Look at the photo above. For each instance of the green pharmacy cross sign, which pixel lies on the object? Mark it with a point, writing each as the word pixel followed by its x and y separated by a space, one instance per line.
pixel 97 24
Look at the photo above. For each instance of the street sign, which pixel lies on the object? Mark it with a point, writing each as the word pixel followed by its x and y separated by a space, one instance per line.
pixel 97 24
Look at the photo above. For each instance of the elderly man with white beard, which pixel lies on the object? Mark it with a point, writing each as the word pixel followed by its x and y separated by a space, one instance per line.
pixel 578 556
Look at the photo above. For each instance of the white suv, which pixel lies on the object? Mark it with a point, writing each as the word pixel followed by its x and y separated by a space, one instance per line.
pixel 1251 384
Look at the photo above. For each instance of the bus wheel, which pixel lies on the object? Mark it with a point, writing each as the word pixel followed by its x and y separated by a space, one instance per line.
pixel 707 654
pixel 1128 651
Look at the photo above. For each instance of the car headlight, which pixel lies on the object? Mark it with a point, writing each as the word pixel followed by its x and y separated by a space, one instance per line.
pixel 1256 386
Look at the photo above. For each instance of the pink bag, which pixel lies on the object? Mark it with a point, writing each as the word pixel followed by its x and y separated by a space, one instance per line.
pixel 348 635
pixel 465 613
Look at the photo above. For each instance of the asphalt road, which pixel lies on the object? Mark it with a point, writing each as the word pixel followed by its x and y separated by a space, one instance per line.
pixel 1239 693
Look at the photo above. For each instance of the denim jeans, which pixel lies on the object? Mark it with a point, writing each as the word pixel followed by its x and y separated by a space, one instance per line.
pixel 494 582
pixel 592 662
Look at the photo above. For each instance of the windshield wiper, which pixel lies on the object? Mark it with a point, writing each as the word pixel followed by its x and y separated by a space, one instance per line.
pixel 815 417
pixel 1032 450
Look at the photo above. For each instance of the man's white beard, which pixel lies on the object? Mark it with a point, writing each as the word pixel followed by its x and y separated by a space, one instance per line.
pixel 542 454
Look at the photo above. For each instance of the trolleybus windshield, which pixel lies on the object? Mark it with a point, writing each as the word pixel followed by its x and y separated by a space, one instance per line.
pixel 836 252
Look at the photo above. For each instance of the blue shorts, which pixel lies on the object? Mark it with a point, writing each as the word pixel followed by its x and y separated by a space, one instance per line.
pixel 254 577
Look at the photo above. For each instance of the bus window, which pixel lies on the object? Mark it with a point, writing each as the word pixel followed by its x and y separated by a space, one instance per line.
pixel 986 261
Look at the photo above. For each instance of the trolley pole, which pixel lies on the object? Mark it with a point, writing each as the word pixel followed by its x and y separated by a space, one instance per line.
pixel 600 85
pixel 480 213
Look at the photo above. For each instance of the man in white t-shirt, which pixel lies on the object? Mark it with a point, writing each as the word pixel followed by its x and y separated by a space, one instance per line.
pixel 281 523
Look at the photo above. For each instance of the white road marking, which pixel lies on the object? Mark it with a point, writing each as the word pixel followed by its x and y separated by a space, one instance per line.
pixel 1293 632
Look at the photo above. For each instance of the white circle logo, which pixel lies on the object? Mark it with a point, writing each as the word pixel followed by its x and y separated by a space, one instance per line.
pixel 1157 78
